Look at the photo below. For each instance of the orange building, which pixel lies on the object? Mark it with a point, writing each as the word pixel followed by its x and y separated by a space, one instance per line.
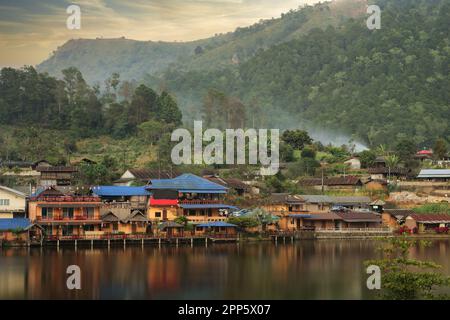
pixel 60 214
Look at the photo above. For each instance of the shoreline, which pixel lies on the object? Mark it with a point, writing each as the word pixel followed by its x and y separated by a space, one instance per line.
pixel 244 239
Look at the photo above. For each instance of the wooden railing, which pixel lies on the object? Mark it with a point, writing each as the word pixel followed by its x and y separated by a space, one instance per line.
pixel 62 218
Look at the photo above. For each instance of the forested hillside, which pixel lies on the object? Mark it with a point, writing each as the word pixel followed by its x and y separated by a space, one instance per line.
pixel 381 86
pixel 375 86
pixel 98 58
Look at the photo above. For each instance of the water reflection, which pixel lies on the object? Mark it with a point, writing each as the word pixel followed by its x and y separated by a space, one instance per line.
pixel 325 269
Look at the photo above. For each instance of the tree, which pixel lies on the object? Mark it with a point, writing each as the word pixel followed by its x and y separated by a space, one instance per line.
pixel 392 161
pixel 183 220
pixel 367 158
pixel 168 111
pixel 404 278
pixel 440 149
pixel 308 153
pixel 143 105
pixel 244 222
pixel 297 139
pixel 405 149
pixel 151 131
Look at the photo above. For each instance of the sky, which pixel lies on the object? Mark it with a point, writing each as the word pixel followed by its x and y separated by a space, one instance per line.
pixel 31 30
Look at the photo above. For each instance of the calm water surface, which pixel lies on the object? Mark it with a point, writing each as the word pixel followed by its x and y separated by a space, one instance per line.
pixel 321 269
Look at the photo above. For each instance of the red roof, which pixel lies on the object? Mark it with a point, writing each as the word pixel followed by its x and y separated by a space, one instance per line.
pixel 428 152
pixel 163 202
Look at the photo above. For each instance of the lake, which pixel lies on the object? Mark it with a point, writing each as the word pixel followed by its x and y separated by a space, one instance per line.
pixel 308 269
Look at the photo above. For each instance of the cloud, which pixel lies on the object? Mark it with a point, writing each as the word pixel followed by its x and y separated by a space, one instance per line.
pixel 30 30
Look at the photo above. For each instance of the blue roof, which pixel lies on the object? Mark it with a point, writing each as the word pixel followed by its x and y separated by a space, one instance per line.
pixel 14 223
pixel 207 206
pixel 120 191
pixel 187 183
pixel 216 224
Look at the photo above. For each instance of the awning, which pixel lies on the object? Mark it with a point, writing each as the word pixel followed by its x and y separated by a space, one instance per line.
pixel 299 216
pixel 71 205
pixel 207 206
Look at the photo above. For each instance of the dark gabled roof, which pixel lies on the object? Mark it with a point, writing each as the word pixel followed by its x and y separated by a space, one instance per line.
pixel 123 216
pixel 229 182
pixel 343 181
pixel 14 164
pixel 136 216
pixel 170 224
pixel 149 174
pixel 331 181
pixel 356 216
pixel 400 213
pixel 187 183
pixel 431 218
pixel 47 192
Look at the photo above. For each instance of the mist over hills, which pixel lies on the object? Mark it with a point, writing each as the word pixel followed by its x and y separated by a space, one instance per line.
pixel 317 68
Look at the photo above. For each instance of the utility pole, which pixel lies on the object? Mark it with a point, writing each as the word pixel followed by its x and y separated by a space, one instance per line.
pixel 322 181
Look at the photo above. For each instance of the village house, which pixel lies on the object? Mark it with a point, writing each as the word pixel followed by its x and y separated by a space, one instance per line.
pixel 434 175
pixel 395 218
pixel 217 229
pixel 359 220
pixel 12 203
pixel 235 185
pixel 143 176
pixel 344 183
pixel 19 230
pixel 427 223
pixel 62 214
pixel 350 202
pixel 387 173
pixel 196 198
pixel 56 176
pixel 354 163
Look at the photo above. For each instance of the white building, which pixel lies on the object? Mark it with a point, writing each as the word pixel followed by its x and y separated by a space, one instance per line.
pixel 12 203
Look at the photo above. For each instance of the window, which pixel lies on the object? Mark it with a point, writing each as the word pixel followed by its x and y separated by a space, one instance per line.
pixel 4 202
pixel 68 213
pixel 157 214
pixel 88 227
pixel 209 212
pixel 90 212
pixel 47 213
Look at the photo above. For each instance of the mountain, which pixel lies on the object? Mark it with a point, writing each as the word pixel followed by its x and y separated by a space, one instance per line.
pixel 97 59
pixel 318 68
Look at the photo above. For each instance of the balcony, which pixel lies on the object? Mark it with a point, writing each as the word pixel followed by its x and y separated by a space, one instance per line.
pixel 200 201
pixel 74 218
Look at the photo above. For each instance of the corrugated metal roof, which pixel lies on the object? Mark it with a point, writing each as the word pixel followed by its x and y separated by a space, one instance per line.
pixel 349 200
pixel 316 198
pixel 355 216
pixel 120 191
pixel 14 223
pixel 434 173
pixel 185 182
